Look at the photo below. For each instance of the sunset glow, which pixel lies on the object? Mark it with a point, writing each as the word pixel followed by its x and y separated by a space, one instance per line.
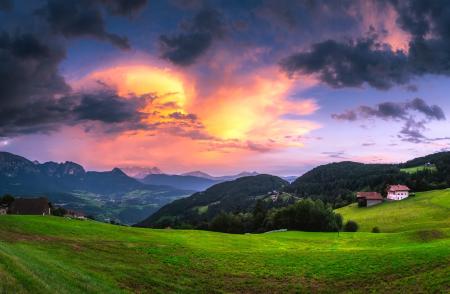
pixel 271 87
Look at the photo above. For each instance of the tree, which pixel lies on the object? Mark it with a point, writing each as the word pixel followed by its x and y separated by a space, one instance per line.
pixel 307 215
pixel 351 226
pixel 59 211
pixel 259 215
pixel 228 223
pixel 7 199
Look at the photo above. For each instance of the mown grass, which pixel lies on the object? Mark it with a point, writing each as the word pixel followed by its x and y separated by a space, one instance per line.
pixel 48 254
pixel 415 169
pixel 425 210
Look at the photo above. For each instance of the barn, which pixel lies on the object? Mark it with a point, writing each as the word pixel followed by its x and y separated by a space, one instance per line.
pixel 366 199
pixel 30 206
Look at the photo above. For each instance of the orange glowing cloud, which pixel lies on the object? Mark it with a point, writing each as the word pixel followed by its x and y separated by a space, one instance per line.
pixel 245 106
pixel 241 115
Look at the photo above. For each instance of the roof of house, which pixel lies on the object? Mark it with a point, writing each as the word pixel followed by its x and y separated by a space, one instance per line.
pixel 394 188
pixel 369 195
pixel 35 206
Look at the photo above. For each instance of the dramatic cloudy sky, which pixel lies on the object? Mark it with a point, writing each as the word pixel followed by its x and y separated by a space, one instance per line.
pixel 274 86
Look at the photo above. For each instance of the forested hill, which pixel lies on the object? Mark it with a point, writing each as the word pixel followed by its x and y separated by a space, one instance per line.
pixel 336 183
pixel 234 196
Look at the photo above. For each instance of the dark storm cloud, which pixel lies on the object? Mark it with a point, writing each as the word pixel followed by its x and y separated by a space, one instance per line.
pixel 6 5
pixel 187 4
pixel 34 96
pixel 47 114
pixel 124 7
pixel 81 18
pixel 412 130
pixel 29 69
pixel 351 64
pixel 197 36
pixel 108 108
pixel 334 15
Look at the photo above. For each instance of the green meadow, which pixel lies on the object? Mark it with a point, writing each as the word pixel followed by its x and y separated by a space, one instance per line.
pixel 415 169
pixel 423 211
pixel 412 255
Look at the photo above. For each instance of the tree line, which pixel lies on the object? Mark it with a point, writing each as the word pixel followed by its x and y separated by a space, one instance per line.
pixel 304 215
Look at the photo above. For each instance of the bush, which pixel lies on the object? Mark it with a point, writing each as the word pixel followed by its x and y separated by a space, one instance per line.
pixel 6 199
pixel 351 226
pixel 375 230
pixel 59 211
pixel 228 223
pixel 307 215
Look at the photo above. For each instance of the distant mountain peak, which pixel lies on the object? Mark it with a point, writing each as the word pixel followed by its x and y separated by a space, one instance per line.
pixel 199 174
pixel 204 175
pixel 118 171
pixel 140 172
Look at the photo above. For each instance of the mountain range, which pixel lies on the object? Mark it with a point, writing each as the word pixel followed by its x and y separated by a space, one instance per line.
pixel 109 194
pixel 196 181
pixel 115 195
pixel 139 172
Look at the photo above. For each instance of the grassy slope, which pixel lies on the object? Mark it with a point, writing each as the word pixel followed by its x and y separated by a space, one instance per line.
pixel 48 254
pixel 413 170
pixel 426 210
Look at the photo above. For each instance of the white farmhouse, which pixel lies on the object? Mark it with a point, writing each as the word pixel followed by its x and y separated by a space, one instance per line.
pixel 397 192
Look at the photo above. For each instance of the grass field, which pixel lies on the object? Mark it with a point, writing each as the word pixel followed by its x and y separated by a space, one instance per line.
pixel 48 254
pixel 415 169
pixel 425 210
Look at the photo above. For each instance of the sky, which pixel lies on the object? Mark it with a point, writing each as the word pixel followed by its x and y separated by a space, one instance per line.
pixel 224 86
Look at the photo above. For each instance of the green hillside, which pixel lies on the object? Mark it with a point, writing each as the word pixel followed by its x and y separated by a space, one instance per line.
pixel 48 254
pixel 425 210
pixel 416 169
pixel 237 195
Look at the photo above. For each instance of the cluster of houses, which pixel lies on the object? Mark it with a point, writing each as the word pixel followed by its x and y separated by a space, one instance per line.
pixel 34 206
pixel 393 192
pixel 274 195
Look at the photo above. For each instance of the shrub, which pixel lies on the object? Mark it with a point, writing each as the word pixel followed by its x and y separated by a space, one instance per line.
pixel 375 230
pixel 228 223
pixel 351 226
pixel 307 215
pixel 6 199
pixel 59 211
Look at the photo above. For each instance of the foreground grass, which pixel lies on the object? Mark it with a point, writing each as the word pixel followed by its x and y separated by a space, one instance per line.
pixel 425 210
pixel 48 254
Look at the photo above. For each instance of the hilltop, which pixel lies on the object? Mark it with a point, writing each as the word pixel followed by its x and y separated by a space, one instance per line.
pixel 337 183
pixel 424 211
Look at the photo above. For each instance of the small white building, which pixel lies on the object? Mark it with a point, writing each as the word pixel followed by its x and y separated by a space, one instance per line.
pixel 397 192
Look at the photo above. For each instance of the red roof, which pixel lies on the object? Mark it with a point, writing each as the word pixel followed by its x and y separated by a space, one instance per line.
pixel 369 195
pixel 394 188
